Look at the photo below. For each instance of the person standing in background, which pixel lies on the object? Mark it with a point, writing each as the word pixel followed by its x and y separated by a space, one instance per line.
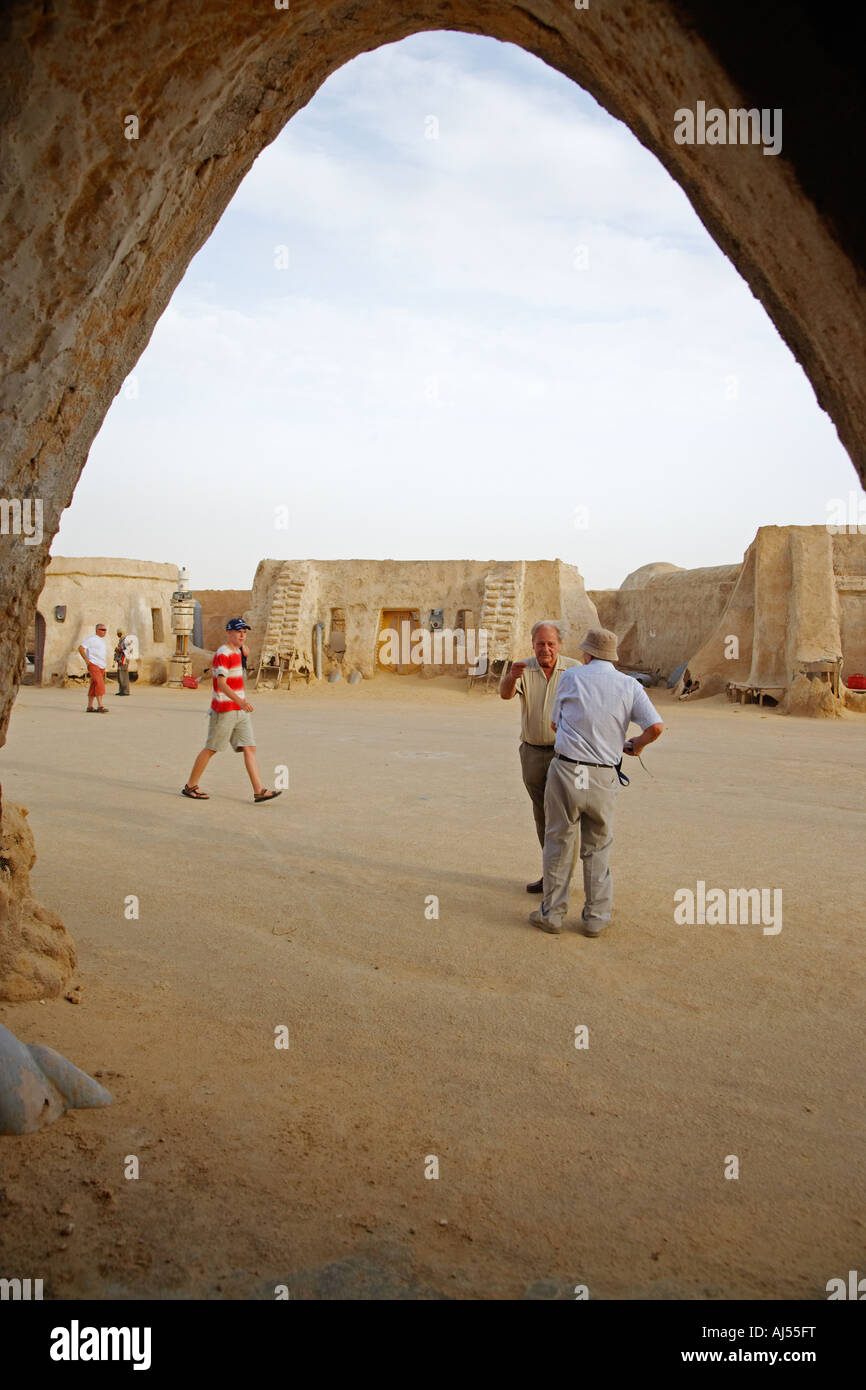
pixel 95 654
pixel 121 656
pixel 536 682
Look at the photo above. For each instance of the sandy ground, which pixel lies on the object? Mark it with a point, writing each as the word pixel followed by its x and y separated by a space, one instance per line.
pixel 412 1037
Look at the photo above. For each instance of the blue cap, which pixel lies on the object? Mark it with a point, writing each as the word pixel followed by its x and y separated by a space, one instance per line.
pixel 237 625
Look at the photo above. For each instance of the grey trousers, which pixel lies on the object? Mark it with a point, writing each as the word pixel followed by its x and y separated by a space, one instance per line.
pixel 579 800
pixel 123 680
pixel 534 762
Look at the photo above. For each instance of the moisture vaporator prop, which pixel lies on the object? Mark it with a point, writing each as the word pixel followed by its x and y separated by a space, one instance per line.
pixel 182 624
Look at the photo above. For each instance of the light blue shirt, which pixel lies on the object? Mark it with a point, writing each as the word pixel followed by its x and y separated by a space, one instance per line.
pixel 593 708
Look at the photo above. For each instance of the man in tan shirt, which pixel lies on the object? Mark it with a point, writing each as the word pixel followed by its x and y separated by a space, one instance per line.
pixel 535 681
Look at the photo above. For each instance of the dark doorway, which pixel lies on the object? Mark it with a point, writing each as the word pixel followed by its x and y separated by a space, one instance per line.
pixel 34 651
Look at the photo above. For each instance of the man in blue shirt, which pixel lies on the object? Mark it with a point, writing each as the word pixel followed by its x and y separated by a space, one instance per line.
pixel 593 708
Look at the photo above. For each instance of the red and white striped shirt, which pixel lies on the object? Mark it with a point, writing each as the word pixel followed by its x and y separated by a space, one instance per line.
pixel 227 662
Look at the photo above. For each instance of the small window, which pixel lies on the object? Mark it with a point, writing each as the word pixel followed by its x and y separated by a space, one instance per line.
pixel 158 629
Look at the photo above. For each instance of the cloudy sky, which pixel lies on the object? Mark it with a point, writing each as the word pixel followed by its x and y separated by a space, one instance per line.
pixel 456 310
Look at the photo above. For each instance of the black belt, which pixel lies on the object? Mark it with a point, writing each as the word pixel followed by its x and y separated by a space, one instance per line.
pixel 578 762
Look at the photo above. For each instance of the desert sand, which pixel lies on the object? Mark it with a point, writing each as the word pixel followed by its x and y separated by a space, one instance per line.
pixel 411 1037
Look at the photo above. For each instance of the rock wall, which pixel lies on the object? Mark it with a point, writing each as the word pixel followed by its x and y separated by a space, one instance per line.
pixel 37 955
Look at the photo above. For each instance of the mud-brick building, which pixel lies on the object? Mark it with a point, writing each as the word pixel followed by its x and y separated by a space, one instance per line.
pixel 323 615
pixel 786 621
pixel 79 592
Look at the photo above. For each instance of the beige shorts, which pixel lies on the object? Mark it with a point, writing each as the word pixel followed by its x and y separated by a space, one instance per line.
pixel 234 727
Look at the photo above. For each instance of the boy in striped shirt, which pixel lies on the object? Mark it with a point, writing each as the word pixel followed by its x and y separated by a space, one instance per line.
pixel 229 720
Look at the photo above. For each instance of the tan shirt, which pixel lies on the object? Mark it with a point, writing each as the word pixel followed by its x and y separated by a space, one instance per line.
pixel 537 694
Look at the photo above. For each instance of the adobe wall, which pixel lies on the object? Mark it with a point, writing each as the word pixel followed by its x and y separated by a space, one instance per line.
pixel 663 614
pixel 364 588
pixel 849 565
pixel 217 606
pixel 554 589
pixel 788 609
pixel 120 593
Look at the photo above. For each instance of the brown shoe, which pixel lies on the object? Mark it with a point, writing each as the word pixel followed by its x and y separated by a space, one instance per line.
pixel 536 887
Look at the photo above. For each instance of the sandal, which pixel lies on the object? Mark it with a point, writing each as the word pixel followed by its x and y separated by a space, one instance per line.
pixel 194 793
pixel 103 710
pixel 265 795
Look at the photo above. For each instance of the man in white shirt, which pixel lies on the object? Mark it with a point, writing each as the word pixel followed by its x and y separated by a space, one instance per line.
pixel 536 682
pixel 95 654
pixel 593 708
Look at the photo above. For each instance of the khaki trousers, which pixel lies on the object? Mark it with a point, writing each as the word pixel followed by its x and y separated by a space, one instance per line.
pixel 534 762
pixel 579 801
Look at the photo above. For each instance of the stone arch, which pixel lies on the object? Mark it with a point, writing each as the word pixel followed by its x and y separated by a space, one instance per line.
pixel 103 212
